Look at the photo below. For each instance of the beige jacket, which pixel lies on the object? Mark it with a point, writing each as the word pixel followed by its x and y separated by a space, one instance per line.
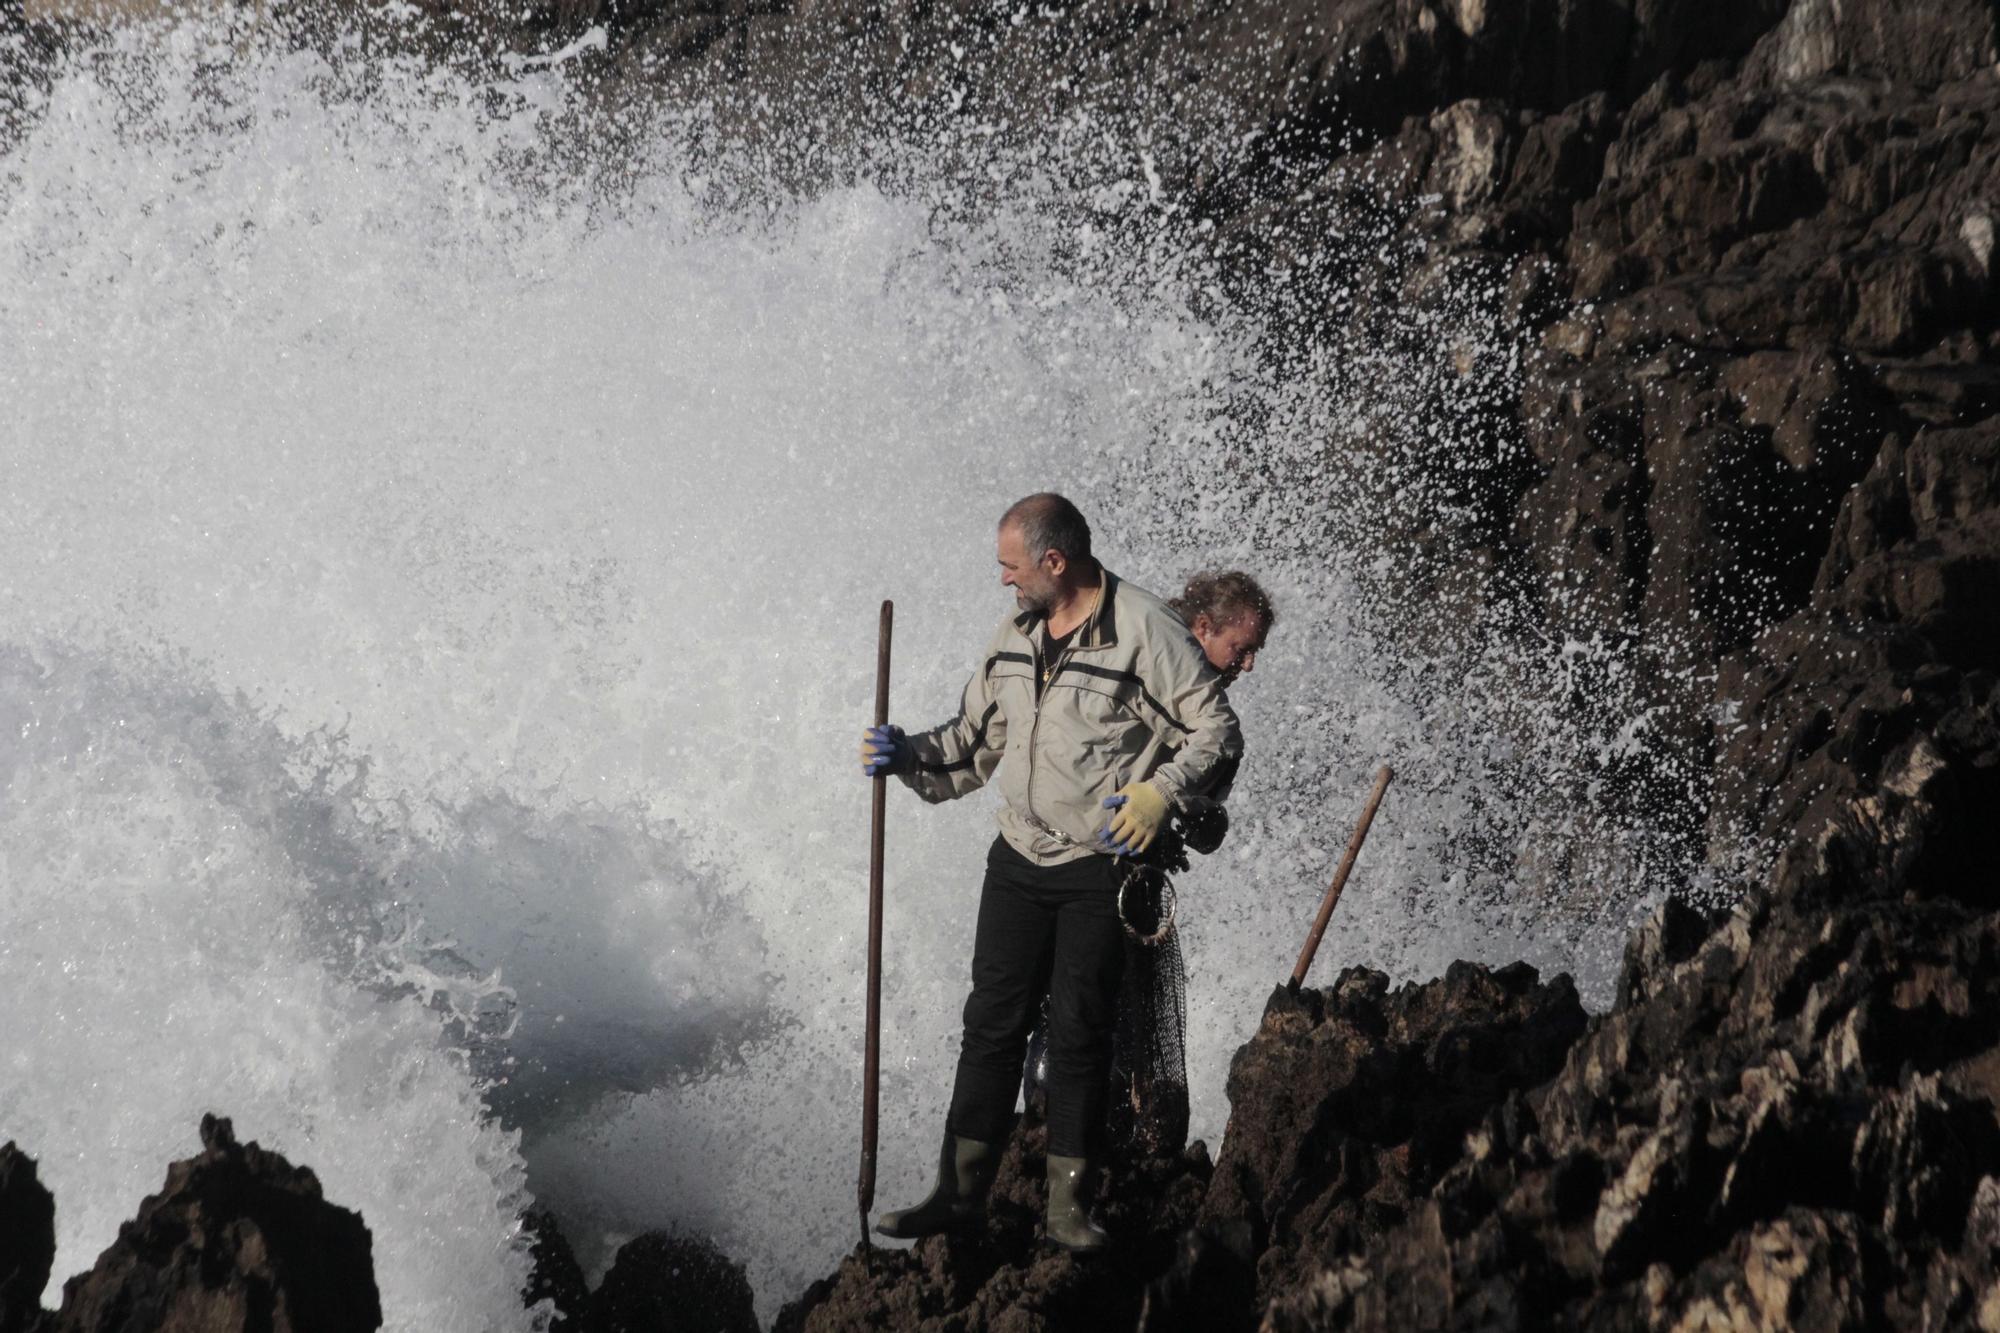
pixel 1131 699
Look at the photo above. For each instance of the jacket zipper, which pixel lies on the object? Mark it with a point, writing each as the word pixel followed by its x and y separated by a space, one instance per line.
pixel 1036 726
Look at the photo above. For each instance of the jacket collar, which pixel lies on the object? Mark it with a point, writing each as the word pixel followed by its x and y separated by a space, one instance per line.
pixel 1099 629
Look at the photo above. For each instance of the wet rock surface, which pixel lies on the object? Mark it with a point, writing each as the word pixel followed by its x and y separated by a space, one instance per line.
pixel 1350 1103
pixel 241 1241
pixel 1347 1106
pixel 1866 731
pixel 1787 1120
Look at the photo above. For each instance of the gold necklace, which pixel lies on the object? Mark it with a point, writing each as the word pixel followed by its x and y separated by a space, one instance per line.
pixel 1049 670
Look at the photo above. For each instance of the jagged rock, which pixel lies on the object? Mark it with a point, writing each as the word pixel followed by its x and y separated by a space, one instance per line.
pixel 664 1282
pixel 1688 496
pixel 1349 1103
pixel 27 1240
pixel 1786 1121
pixel 1951 39
pixel 237 1240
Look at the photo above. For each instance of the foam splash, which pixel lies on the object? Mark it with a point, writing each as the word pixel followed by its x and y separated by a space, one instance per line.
pixel 163 956
pixel 535 503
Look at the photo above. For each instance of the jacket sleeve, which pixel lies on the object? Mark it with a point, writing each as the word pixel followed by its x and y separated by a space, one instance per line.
pixel 958 756
pixel 1202 723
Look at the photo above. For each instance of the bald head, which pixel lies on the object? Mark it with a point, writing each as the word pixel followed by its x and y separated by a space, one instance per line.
pixel 1047 522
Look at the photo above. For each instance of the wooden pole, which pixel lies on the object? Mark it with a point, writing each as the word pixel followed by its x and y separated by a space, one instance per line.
pixel 871 1069
pixel 1340 877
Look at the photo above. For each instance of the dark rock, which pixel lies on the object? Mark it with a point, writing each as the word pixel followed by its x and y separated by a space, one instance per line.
pixel 1785 1120
pixel 665 1282
pixel 1349 1103
pixel 1210 1284
pixel 1951 39
pixel 27 1240
pixel 1865 732
pixel 556 1276
pixel 1006 1278
pixel 238 1239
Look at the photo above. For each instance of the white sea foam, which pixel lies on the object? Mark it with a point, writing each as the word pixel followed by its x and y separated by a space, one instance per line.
pixel 161 959
pixel 441 588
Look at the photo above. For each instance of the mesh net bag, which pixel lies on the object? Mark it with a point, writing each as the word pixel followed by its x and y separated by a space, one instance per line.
pixel 1148 1110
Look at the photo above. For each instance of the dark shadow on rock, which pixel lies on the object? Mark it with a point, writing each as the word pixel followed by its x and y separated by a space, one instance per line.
pixel 27 1240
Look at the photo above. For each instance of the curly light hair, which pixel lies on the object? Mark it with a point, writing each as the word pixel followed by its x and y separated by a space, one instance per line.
pixel 1223 595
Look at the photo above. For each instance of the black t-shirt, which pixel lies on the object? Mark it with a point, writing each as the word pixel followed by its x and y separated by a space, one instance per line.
pixel 1052 651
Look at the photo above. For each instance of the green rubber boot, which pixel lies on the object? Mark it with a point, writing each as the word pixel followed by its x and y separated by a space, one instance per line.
pixel 957 1202
pixel 1068 1222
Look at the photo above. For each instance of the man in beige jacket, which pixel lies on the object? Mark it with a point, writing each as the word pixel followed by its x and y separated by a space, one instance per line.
pixel 1108 716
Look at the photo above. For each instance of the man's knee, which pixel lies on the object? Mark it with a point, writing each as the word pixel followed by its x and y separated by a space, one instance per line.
pixel 1000 1016
pixel 1078 1050
pixel 1081 1024
pixel 1083 992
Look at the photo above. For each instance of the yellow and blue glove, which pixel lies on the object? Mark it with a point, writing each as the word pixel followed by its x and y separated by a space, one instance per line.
pixel 1139 809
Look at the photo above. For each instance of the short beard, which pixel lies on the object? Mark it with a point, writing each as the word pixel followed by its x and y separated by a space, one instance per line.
pixel 1034 606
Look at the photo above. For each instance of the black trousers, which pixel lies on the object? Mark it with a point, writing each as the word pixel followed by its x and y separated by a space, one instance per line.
pixel 1050 930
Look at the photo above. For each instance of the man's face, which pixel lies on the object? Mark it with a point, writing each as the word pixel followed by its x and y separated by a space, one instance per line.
pixel 1231 648
pixel 1033 582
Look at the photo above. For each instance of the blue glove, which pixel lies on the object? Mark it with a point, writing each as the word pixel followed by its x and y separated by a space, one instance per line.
pixel 881 748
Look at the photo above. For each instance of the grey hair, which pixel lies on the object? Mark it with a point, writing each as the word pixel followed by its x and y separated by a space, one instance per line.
pixel 1050 523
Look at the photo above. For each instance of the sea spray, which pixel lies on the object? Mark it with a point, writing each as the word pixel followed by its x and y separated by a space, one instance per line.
pixel 163 956
pixel 523 490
